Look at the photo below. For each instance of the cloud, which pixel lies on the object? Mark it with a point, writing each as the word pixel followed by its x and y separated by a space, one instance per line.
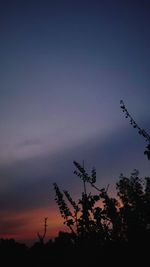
pixel 29 142
pixel 25 225
pixel 29 181
pixel 11 226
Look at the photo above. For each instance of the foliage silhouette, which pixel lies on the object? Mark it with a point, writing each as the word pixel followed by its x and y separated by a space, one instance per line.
pixel 141 131
pixel 100 218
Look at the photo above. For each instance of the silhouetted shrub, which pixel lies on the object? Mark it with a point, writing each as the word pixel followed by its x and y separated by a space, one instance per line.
pixel 100 219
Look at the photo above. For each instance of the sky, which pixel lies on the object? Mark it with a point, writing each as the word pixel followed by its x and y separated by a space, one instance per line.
pixel 64 67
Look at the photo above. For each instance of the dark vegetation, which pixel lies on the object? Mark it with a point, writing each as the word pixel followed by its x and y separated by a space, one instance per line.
pixel 103 229
pixel 140 130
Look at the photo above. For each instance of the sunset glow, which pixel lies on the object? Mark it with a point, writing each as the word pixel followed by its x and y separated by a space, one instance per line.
pixel 65 66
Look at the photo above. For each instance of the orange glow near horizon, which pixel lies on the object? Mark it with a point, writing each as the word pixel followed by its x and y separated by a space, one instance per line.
pixel 23 227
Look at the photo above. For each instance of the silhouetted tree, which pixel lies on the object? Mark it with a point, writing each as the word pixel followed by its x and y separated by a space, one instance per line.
pixel 84 218
pixel 100 218
pixel 42 237
pixel 94 216
pixel 134 194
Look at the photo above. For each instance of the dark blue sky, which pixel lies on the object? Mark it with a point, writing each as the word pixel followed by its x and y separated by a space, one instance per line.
pixel 64 67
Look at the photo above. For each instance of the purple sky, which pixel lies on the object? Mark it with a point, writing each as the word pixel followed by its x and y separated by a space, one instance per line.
pixel 64 67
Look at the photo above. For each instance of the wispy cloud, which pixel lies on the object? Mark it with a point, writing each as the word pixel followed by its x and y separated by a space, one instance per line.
pixel 29 181
pixel 29 142
pixel 24 225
